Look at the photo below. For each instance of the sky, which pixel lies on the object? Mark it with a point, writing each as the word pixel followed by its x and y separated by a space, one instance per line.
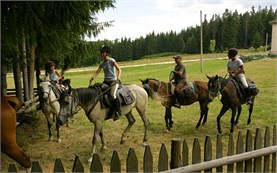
pixel 136 18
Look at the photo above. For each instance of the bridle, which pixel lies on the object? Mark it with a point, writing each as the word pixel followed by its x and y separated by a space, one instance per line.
pixel 219 89
pixel 48 95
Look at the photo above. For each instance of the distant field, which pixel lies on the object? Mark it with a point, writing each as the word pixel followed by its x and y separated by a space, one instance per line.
pixel 76 139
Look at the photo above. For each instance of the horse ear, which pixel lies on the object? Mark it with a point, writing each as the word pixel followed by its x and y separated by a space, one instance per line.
pixel 208 76
pixel 216 77
pixel 69 88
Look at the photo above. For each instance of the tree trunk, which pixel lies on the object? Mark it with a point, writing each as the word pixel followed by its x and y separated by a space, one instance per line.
pixel 17 78
pixel 3 80
pixel 31 71
pixel 25 69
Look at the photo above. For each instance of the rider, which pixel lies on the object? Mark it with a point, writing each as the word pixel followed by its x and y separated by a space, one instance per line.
pixel 179 78
pixel 235 69
pixel 53 74
pixel 112 79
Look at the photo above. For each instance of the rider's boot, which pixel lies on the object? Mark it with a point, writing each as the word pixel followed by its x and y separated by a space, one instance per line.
pixel 248 96
pixel 116 105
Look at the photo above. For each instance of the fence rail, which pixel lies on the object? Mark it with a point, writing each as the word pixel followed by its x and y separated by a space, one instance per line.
pixel 258 156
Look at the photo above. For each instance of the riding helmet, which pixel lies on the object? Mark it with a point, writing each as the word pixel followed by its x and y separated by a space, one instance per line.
pixel 233 52
pixel 105 48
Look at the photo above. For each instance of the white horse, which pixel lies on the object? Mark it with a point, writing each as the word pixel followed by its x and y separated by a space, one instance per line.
pixel 89 100
pixel 50 105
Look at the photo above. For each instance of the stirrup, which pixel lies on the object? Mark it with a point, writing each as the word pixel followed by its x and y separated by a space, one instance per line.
pixel 116 116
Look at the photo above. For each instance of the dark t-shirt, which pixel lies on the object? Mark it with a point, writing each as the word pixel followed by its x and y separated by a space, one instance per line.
pixel 177 77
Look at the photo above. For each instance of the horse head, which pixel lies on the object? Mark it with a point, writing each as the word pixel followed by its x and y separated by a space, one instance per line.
pixel 214 86
pixel 45 88
pixel 68 106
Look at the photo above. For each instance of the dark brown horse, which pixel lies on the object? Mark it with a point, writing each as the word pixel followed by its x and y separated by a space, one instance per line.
pixel 161 89
pixel 230 99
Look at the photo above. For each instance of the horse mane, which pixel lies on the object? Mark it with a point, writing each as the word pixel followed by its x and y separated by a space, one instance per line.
pixel 160 97
pixel 87 95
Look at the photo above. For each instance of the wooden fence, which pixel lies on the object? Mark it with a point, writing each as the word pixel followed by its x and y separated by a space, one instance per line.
pixel 255 155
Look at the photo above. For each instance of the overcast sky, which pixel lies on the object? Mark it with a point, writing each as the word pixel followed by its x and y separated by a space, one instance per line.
pixel 135 18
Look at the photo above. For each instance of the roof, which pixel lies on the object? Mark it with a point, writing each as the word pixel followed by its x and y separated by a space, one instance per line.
pixel 273 22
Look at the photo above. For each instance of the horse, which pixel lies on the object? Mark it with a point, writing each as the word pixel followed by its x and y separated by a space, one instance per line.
pixel 9 104
pixel 49 95
pixel 89 100
pixel 162 89
pixel 230 99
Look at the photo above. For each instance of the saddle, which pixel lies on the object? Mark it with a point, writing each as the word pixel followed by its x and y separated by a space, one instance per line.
pixel 188 90
pixel 240 89
pixel 125 96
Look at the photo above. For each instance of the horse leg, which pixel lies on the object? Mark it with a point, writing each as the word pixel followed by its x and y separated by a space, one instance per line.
pixel 49 124
pixel 168 118
pixel 234 110
pixel 102 139
pixel 97 129
pixel 146 125
pixel 58 132
pixel 222 112
pixel 202 112
pixel 206 113
pixel 250 112
pixel 131 121
pixel 237 119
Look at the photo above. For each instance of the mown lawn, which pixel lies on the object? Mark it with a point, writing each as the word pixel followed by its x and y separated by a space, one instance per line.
pixel 76 139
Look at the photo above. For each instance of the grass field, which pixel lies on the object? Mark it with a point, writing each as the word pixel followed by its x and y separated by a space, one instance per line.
pixel 76 139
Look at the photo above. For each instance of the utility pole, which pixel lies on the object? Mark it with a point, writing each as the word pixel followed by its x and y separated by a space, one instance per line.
pixel 266 37
pixel 201 41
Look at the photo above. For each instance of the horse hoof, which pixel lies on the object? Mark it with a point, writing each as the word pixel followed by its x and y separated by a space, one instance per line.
pixel 59 141
pixel 104 148
pixel 166 130
pixel 144 144
pixel 50 139
pixel 122 142
pixel 90 160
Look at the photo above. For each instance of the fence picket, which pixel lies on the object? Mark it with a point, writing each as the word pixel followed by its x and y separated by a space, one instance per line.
pixel 267 144
pixel 176 157
pixel 58 167
pixel 36 167
pixel 231 144
pixel 12 168
pixel 185 153
pixel 132 161
pixel 208 151
pixel 248 147
pixel 274 142
pixel 258 145
pixel 196 151
pixel 147 160
pixel 163 159
pixel 240 149
pixel 219 152
pixel 77 166
pixel 96 165
pixel 115 163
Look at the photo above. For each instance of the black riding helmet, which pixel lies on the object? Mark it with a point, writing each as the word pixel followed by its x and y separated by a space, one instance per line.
pixel 233 52
pixel 105 48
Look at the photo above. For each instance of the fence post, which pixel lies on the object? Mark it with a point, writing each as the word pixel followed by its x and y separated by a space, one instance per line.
pixel 219 152
pixel 230 167
pixel 132 161
pixel 185 153
pixel 58 166
pixel 96 165
pixel 258 145
pixel 196 151
pixel 148 160
pixel 267 144
pixel 176 157
pixel 36 167
pixel 163 159
pixel 248 147
pixel 208 151
pixel 274 143
pixel 240 149
pixel 115 163
pixel 12 168
pixel 77 166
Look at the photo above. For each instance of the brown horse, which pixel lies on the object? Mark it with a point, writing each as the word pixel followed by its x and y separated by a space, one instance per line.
pixel 230 99
pixel 163 90
pixel 8 131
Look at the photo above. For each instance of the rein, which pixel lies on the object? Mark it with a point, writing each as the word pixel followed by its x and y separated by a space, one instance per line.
pixel 219 90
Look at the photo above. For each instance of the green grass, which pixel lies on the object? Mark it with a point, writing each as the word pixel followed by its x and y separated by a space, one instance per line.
pixel 76 139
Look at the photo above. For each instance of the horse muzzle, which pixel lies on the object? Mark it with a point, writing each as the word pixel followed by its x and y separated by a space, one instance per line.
pixel 45 96
pixel 61 120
